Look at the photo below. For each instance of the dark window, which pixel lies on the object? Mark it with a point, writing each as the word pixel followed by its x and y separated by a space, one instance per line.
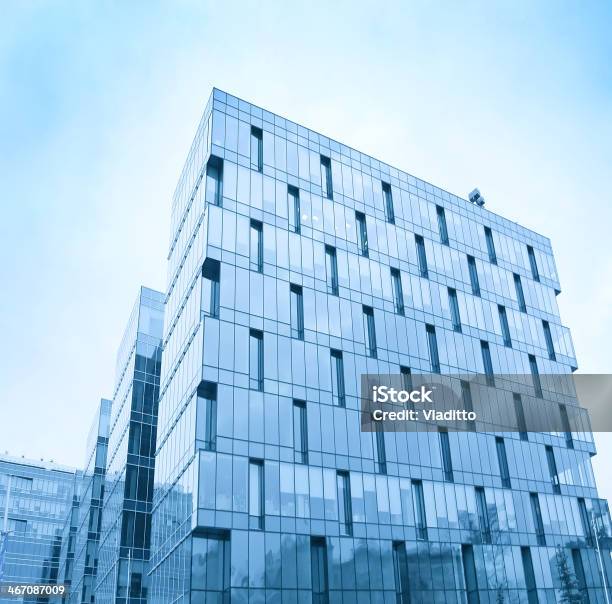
pixel 214 181
pixel 569 441
pixel 256 369
pixel 520 416
pixel 337 374
pixel 256 246
pixel 469 574
pixel 532 262
pixel 468 405
pixel 520 296
pixel 447 460
pixel 454 309
pixel 443 230
pixel 318 570
pixel 537 518
pixel 580 576
pixel 530 582
pixel 300 431
pixel 490 245
pixel 206 426
pixel 326 178
pixel 362 233
pixel 210 287
pixel 400 572
pixel 370 331
pixel 297 312
pixel 503 321
pixel 380 453
pixel 487 363
pixel 587 529
pixel 502 460
pixel 398 294
pixel 256 494
pixel 549 341
pixel 388 198
pixel 432 344
pixel 406 377
pixel 473 275
pixel 421 255
pixel 293 203
pixel 256 149
pixel 420 520
pixel 535 376
pixel 331 267
pixel 483 514
pixel 345 513
pixel 552 469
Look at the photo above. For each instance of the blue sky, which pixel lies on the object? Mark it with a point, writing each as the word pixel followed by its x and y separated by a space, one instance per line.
pixel 99 103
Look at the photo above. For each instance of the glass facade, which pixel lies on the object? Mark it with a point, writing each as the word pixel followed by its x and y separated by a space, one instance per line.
pixel 125 525
pixel 35 500
pixel 294 503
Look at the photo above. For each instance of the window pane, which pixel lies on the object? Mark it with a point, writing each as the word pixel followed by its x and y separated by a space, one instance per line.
pixel 331 267
pixel 503 320
pixel 297 312
pixel 442 225
pixel 256 149
pixel 422 257
pixel 490 245
pixel 256 359
pixel 326 178
pixel 518 286
pixel 454 309
pixel 398 294
pixel 473 275
pixel 256 252
pixel 293 202
pixel 388 199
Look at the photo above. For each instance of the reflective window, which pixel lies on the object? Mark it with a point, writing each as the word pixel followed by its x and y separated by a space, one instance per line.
pixel 337 375
pixel 418 500
pixel 447 461
pixel 552 469
pixel 256 500
pixel 380 454
pixel 533 264
pixel 549 341
pixel 502 460
pixel 442 229
pixel 503 321
pixel 400 572
pixel 256 149
pixel 210 568
pixel 256 253
pixel 535 375
pixel 432 345
pixel 530 582
pixel 345 514
pixel 388 199
pixel 454 309
pixel 362 233
pixel 256 361
pixel 398 294
pixel 370 331
pixel 483 514
pixel 293 203
pixel 520 415
pixel 520 296
pixel 206 427
pixel 318 570
pixel 210 287
pixel 587 529
pixel 214 181
pixel 490 245
pixel 569 442
pixel 421 255
pixel 469 574
pixel 580 576
pixel 326 178
pixel 487 363
pixel 537 518
pixel 468 405
pixel 473 275
pixel 297 312
pixel 331 268
pixel 300 431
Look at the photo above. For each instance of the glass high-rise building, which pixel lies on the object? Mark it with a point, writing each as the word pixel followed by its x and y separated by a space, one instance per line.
pixel 124 542
pixel 35 497
pixel 90 491
pixel 297 264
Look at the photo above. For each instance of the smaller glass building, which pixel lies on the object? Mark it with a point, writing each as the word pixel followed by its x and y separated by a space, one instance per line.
pixel 35 498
